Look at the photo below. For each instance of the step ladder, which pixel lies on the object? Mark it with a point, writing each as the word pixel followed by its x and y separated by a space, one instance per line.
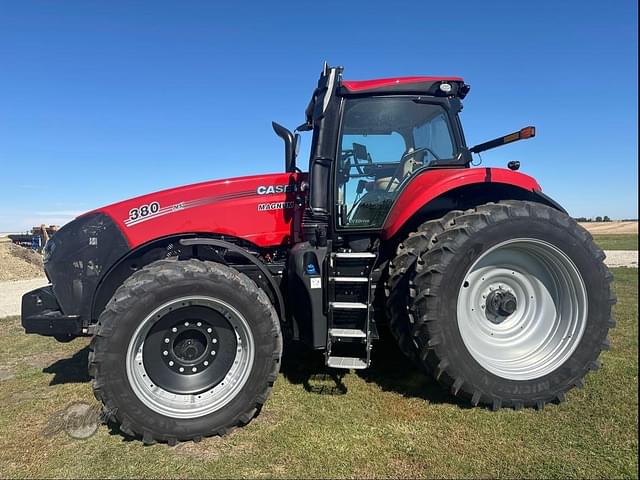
pixel 349 309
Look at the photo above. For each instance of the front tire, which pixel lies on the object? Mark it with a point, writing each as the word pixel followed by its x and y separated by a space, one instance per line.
pixel 511 305
pixel 184 350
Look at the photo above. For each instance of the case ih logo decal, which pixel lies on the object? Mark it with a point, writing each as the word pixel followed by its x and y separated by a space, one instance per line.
pixel 272 189
pixel 274 206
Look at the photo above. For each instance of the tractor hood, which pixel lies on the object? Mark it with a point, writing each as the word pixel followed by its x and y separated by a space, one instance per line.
pixel 259 209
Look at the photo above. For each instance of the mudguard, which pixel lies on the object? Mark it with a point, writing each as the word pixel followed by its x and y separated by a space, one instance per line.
pixel 430 184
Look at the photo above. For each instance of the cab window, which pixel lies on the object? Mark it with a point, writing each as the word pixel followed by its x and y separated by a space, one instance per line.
pixel 384 141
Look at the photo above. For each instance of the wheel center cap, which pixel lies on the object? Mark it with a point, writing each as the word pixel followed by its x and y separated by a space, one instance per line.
pixel 189 345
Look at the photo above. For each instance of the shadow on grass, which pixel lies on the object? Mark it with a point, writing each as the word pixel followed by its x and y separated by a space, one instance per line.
pixel 392 371
pixel 70 370
pixel 304 366
pixel 389 369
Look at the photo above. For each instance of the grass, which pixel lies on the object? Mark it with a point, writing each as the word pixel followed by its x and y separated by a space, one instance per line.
pixel 391 421
pixel 617 241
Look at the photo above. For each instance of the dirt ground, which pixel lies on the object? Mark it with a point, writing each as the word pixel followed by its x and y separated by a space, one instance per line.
pixel 600 228
pixel 18 263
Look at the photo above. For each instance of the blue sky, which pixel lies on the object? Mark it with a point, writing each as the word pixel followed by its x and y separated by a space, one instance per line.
pixel 101 101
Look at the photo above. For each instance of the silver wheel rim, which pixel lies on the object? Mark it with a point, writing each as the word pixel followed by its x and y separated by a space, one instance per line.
pixel 196 404
pixel 548 322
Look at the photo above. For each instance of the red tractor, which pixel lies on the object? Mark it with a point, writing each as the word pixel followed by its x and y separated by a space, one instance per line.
pixel 484 281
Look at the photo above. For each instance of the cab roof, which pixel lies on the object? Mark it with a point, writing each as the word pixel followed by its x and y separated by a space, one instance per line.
pixel 436 86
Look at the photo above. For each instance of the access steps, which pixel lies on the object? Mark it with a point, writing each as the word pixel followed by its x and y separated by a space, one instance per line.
pixel 349 309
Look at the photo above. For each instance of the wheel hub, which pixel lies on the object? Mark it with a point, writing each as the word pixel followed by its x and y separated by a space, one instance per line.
pixel 501 303
pixel 189 347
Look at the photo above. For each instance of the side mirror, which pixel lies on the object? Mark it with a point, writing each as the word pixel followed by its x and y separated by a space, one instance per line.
pixel 289 146
pixel 298 141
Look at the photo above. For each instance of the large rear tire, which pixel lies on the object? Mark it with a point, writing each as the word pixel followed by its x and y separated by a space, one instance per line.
pixel 511 305
pixel 398 286
pixel 184 350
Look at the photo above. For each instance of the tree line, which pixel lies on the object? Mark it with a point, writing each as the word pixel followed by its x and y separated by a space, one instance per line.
pixel 589 219
pixel 603 219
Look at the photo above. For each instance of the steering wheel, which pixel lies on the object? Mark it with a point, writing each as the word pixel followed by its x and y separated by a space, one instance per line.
pixel 398 170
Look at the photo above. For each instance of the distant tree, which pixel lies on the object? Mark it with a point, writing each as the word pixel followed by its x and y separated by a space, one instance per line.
pixel 598 218
pixel 606 219
pixel 582 219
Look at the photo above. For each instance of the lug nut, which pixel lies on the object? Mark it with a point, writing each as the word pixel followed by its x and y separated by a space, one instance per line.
pixel 186 324
pixel 213 352
pixel 166 340
pixel 199 324
pixel 209 330
pixel 181 369
pixel 206 363
pixel 171 363
pixel 174 329
pixel 165 353
pixel 194 369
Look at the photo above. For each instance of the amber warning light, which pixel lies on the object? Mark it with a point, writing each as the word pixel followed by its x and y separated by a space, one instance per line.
pixel 522 134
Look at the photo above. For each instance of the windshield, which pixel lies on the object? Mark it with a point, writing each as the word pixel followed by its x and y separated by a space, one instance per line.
pixel 384 141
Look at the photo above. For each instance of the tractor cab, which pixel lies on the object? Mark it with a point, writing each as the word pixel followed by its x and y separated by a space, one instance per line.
pixel 371 137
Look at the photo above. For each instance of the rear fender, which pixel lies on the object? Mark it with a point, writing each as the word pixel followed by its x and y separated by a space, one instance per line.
pixel 447 189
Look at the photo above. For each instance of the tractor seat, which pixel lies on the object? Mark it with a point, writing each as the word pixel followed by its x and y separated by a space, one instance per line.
pixel 409 165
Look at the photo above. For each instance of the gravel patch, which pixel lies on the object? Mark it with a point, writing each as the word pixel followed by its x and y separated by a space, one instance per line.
pixel 622 258
pixel 11 294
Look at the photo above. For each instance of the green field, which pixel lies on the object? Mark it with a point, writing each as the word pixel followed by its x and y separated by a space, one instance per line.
pixel 391 422
pixel 617 242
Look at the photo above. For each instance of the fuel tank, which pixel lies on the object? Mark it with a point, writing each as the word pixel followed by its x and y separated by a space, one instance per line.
pixel 259 208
